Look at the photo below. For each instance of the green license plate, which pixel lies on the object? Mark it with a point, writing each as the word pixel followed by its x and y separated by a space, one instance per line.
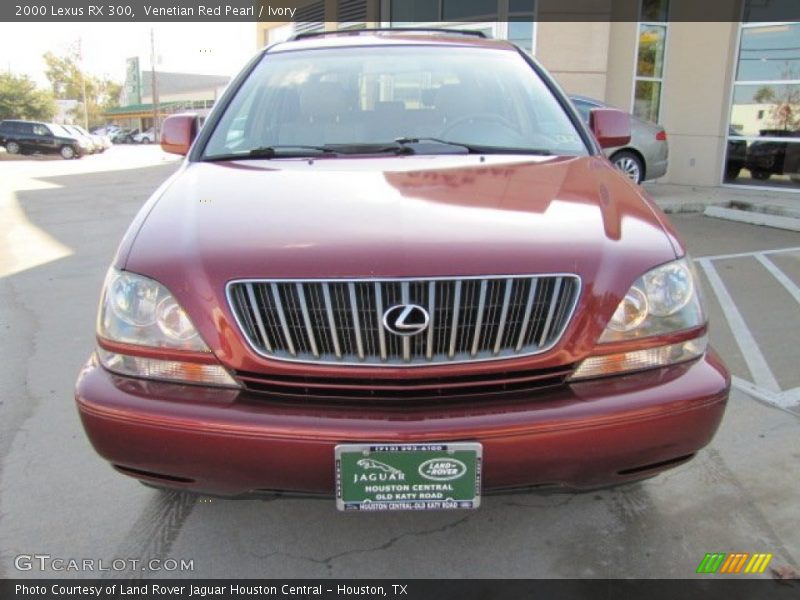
pixel 408 476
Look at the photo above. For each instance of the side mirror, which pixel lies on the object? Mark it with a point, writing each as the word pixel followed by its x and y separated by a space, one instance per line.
pixel 610 126
pixel 178 133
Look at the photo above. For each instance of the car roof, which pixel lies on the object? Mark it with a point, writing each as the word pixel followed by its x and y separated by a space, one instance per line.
pixel 390 37
pixel 587 99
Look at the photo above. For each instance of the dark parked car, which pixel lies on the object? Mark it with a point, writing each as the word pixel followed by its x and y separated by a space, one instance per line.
pixel 736 156
pixel 397 268
pixel 645 156
pixel 124 136
pixel 27 137
pixel 771 157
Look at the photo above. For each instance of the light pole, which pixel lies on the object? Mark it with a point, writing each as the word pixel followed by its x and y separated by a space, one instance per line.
pixel 83 84
pixel 154 84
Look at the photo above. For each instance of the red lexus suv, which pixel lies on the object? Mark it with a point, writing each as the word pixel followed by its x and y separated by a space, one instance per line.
pixel 396 269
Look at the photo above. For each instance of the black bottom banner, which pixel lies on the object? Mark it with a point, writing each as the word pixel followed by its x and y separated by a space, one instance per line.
pixel 408 589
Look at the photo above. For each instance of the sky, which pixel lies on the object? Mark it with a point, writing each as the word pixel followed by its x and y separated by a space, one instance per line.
pixel 207 48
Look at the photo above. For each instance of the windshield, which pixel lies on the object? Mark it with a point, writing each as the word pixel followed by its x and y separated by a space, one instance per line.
pixel 57 129
pixel 373 96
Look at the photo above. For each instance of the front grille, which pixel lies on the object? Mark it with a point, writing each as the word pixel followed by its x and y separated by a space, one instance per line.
pixel 341 321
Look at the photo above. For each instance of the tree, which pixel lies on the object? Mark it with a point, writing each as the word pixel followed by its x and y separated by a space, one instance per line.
pixel 764 95
pixel 67 81
pixel 21 99
pixel 784 112
pixel 65 76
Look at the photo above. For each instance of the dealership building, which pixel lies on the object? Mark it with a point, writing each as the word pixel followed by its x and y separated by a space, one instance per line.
pixel 175 92
pixel 727 90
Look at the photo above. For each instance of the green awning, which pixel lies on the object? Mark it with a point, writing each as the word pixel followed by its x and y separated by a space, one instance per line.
pixel 135 110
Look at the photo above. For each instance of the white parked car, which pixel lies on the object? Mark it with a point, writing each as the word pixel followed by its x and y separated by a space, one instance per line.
pixel 145 137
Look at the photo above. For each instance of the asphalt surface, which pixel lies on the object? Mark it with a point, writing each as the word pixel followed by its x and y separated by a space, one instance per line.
pixel 60 222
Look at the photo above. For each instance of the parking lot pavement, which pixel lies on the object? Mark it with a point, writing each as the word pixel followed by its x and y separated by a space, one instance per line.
pixel 58 498
pixel 753 290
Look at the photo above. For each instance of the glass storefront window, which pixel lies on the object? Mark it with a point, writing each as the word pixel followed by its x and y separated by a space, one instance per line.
pixel 517 17
pixel 770 53
pixel 652 42
pixel 763 146
pixel 414 10
pixel 473 10
pixel 521 34
pixel 646 100
pixel 655 11
pixel 768 109
pixel 520 23
pixel 650 52
pixel 766 11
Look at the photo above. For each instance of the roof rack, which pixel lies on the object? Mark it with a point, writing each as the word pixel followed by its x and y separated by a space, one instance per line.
pixel 312 34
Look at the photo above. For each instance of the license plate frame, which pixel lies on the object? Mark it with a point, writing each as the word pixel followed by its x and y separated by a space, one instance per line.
pixel 389 477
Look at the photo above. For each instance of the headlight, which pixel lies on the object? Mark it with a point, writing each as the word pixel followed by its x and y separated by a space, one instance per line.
pixel 663 301
pixel 141 312
pixel 138 310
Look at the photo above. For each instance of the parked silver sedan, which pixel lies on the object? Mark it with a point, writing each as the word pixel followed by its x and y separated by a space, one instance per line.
pixel 647 154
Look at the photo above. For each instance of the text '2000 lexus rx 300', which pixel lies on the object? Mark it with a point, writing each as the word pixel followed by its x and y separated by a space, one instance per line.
pixel 396 269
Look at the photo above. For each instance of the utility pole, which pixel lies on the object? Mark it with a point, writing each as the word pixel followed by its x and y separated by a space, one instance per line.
pixel 154 84
pixel 83 84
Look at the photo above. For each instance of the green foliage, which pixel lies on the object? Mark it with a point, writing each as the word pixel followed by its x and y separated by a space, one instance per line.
pixel 64 74
pixel 21 99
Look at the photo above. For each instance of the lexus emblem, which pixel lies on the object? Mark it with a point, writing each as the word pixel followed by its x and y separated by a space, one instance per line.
pixel 406 319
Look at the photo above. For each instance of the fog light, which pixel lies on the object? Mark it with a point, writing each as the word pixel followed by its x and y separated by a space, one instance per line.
pixel 165 370
pixel 650 358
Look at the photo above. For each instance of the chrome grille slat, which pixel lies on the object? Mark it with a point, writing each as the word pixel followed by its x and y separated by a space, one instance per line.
pixel 331 320
pixel 257 314
pixel 351 288
pixel 526 319
pixel 503 315
pixel 550 311
pixel 282 318
pixel 379 316
pixel 405 298
pixel 341 321
pixel 454 325
pixel 432 315
pixel 312 340
pixel 476 337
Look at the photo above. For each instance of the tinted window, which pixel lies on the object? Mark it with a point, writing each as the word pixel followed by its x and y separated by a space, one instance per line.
pixel 378 94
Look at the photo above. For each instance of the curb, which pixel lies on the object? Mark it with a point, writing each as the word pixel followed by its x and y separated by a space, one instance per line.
pixel 753 217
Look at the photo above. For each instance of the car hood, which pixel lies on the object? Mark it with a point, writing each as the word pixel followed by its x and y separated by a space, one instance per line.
pixel 415 216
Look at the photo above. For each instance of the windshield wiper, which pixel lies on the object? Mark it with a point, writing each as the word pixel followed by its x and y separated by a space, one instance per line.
pixel 281 151
pixel 403 145
pixel 427 145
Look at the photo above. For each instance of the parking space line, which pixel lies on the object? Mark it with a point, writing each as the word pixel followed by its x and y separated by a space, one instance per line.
pixel 790 285
pixel 784 401
pixel 747 254
pixel 759 368
pixel 792 397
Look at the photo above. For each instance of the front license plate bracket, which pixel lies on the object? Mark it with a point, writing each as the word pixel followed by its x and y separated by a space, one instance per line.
pixel 431 476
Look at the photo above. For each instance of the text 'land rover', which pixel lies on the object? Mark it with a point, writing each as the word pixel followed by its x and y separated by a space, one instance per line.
pixel 396 269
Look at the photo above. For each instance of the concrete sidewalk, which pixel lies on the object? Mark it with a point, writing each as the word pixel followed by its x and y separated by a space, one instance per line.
pixel 747 205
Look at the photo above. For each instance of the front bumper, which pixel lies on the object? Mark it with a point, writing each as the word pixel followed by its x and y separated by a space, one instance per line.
pixel 584 435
